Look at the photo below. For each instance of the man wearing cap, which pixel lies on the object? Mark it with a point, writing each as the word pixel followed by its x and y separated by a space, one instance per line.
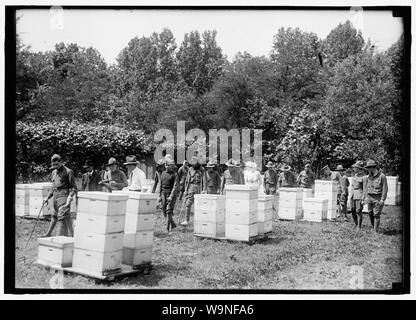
pixel 287 178
pixel 306 179
pixel 270 179
pixel 375 193
pixel 91 178
pixel 359 184
pixel 63 191
pixel 231 175
pixel 182 172
pixel 168 192
pixel 213 179
pixel 137 178
pixel 194 184
pixel 114 178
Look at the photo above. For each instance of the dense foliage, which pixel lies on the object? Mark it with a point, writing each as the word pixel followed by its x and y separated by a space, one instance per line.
pixel 324 101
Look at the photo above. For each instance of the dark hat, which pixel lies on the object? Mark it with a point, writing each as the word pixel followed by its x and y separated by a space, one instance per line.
pixel 371 164
pixel 269 164
pixel 285 168
pixel 339 168
pixel 111 161
pixel 359 164
pixel 131 160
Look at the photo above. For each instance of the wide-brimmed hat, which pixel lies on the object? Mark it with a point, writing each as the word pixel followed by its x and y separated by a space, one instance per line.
pixel 111 161
pixel 131 160
pixel 371 164
pixel 230 163
pixel 359 164
pixel 285 168
pixel 269 164
pixel 339 168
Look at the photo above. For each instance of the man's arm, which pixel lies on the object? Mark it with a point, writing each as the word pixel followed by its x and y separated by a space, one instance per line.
pixel 175 186
pixel 123 181
pixel 72 183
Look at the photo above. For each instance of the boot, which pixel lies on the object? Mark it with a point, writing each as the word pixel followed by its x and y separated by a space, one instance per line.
pixel 360 220
pixel 50 229
pixel 62 229
pixel 376 225
pixel 171 223
pixel 188 215
pixel 371 218
pixel 68 221
pixel 354 216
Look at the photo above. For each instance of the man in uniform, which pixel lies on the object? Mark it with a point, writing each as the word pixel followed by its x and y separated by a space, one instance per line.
pixel 194 184
pixel 168 192
pixel 306 179
pixel 182 172
pixel 63 190
pixel 359 184
pixel 287 178
pixel 213 179
pixel 137 177
pixel 375 193
pixel 270 179
pixel 91 178
pixel 231 175
pixel 114 178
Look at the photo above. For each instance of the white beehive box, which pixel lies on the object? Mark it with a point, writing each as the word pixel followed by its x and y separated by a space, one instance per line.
pixel 209 202
pixel 56 251
pixel 139 222
pixel 326 186
pixel 38 192
pixel 22 199
pixel 315 209
pixel 98 242
pixel 136 257
pixel 264 227
pixel 331 214
pixel 241 191
pixel 209 216
pixel 265 202
pixel 138 240
pixel 97 262
pixel 241 232
pixel 140 202
pixel 243 218
pixel 40 189
pixel 290 213
pixel 47 210
pixel 102 203
pixel 276 202
pixel 101 224
pixel 265 215
pixel 212 229
pixel 392 185
pixel 241 205
pixel 307 193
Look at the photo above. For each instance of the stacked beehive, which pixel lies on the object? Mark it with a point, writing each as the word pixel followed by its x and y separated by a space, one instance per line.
pixel 99 232
pixel 139 228
pixel 56 251
pixel 276 203
pixel 315 209
pixel 393 190
pixel 209 217
pixel 38 192
pixel 290 203
pixel 307 193
pixel 328 190
pixel 241 209
pixel 22 200
pixel 265 214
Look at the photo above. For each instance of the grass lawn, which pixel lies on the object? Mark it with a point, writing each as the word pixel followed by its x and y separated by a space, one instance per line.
pixel 297 255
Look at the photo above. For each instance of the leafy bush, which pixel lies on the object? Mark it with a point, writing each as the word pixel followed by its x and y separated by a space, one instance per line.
pixel 76 142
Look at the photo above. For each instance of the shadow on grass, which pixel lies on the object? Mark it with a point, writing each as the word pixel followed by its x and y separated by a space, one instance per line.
pixel 392 232
pixel 273 240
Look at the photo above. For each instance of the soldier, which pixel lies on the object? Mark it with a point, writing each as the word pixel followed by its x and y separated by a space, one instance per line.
pixel 91 178
pixel 114 178
pixel 375 193
pixel 345 183
pixel 213 179
pixel 359 184
pixel 168 192
pixel 287 178
pixel 182 172
pixel 63 191
pixel 306 179
pixel 270 179
pixel 194 184
pixel 231 175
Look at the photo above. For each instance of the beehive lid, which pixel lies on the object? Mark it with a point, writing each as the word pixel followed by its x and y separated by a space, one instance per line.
pixel 137 195
pixel 265 197
pixel 241 187
pixel 58 242
pixel 307 189
pixel 291 189
pixel 22 186
pixel 392 177
pixel 98 195
pixel 324 182
pixel 41 185
pixel 320 200
pixel 210 196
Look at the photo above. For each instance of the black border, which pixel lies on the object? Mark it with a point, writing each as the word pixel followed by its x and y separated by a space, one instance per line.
pixel 10 153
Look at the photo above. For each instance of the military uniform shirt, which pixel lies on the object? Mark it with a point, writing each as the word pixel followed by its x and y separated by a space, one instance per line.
pixel 358 184
pixel 306 180
pixel 63 179
pixel 377 185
